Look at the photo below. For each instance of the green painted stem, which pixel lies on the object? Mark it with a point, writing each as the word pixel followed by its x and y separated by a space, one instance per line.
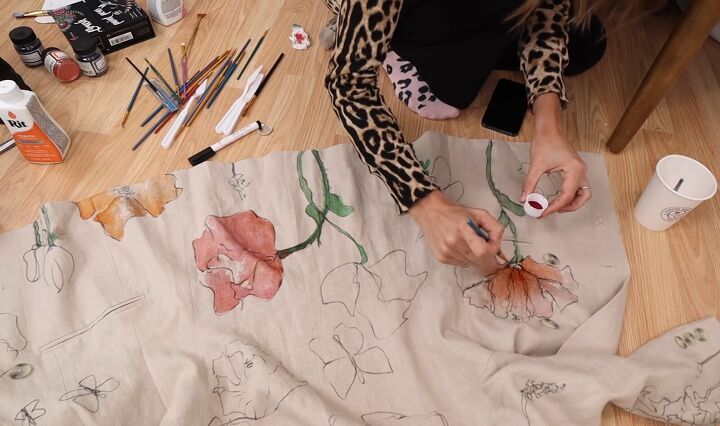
pixel 318 215
pixel 505 203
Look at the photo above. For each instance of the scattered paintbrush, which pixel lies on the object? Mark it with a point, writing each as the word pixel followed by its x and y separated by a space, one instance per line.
pixel 484 235
pixel 32 14
pixel 152 87
pixel 147 134
pixel 5 146
pixel 162 79
pixel 184 67
pixel 206 96
pixel 228 74
pixel 190 43
pixel 176 79
pixel 133 98
pixel 200 75
pixel 263 83
pixel 254 51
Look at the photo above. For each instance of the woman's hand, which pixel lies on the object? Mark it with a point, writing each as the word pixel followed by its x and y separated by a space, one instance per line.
pixel 452 241
pixel 551 152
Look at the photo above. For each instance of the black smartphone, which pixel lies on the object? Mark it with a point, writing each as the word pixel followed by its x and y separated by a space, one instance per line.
pixel 506 111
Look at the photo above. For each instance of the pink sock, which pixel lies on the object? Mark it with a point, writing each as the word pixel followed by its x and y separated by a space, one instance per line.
pixel 415 92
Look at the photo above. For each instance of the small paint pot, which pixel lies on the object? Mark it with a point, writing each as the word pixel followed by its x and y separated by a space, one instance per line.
pixel 535 205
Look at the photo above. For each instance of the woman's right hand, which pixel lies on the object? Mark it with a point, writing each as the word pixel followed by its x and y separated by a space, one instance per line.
pixel 452 241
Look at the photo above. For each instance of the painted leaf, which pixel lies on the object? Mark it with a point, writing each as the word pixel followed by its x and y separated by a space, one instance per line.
pixel 509 204
pixel 337 206
pixel 313 213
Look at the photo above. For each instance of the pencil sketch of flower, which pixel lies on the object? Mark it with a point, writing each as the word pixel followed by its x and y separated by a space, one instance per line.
pixel 535 390
pixel 113 208
pixel 239 182
pixel 520 291
pixel 367 290
pixel 46 259
pixel 12 341
pixel 251 384
pixel 236 257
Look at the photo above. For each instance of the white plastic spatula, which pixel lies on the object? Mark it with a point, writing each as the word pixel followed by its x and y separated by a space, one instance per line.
pixel 180 120
pixel 227 123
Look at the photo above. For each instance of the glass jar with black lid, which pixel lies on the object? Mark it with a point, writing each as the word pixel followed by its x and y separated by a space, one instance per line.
pixel 91 60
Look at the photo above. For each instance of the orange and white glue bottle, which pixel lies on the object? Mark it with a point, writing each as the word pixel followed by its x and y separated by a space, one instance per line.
pixel 39 138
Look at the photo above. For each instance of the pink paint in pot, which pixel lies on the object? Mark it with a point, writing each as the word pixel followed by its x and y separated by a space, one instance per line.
pixel 535 205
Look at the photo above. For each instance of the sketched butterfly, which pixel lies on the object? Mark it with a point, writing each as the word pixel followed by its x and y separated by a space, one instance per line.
pixel 29 413
pixel 345 361
pixel 89 393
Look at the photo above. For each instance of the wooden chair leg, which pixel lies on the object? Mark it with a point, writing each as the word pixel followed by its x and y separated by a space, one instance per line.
pixel 682 46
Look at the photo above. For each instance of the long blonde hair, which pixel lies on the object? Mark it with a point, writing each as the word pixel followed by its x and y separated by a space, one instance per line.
pixel 615 11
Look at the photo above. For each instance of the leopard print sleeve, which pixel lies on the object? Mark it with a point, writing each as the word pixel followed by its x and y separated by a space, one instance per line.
pixel 543 49
pixel 365 28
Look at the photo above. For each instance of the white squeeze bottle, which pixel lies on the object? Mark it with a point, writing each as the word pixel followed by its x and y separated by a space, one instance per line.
pixel 38 137
pixel 166 12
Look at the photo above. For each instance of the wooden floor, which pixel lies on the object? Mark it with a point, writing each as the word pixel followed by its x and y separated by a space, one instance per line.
pixel 676 274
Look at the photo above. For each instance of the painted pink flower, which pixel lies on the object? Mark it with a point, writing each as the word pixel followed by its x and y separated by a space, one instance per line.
pixel 236 256
pixel 521 291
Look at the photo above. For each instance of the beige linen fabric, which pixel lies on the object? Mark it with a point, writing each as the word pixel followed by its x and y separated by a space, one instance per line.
pixel 222 295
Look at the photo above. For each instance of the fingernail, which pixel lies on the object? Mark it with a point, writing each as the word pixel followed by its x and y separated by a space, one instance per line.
pixel 522 197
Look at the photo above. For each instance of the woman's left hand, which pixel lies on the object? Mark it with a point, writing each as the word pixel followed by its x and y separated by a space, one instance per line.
pixel 551 152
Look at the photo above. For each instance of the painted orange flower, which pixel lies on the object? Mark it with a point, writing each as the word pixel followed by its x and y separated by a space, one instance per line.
pixel 236 257
pixel 115 207
pixel 520 291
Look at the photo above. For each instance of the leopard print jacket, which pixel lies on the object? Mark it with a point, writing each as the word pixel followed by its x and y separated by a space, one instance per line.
pixel 364 31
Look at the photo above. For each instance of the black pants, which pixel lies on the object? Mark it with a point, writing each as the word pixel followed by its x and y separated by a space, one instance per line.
pixel 455 53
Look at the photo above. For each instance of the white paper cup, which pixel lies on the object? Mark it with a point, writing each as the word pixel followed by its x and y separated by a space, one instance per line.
pixel 660 205
pixel 535 205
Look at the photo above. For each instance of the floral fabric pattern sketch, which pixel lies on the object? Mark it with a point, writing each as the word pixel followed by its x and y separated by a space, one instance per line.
pixel 535 390
pixel 251 384
pixel 12 341
pixel 361 289
pixel 345 360
pixel 46 259
pixel 239 182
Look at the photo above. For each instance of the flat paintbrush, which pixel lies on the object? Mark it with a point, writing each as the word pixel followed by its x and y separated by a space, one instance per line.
pixel 206 96
pixel 229 74
pixel 262 84
pixel 32 14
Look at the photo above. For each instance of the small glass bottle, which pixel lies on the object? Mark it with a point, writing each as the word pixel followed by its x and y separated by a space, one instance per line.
pixel 62 66
pixel 27 45
pixel 91 60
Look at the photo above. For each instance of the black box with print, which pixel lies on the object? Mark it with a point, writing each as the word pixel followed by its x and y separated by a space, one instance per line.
pixel 114 24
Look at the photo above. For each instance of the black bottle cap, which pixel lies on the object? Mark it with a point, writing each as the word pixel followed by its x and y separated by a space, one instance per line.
pixel 84 46
pixel 22 35
pixel 201 156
